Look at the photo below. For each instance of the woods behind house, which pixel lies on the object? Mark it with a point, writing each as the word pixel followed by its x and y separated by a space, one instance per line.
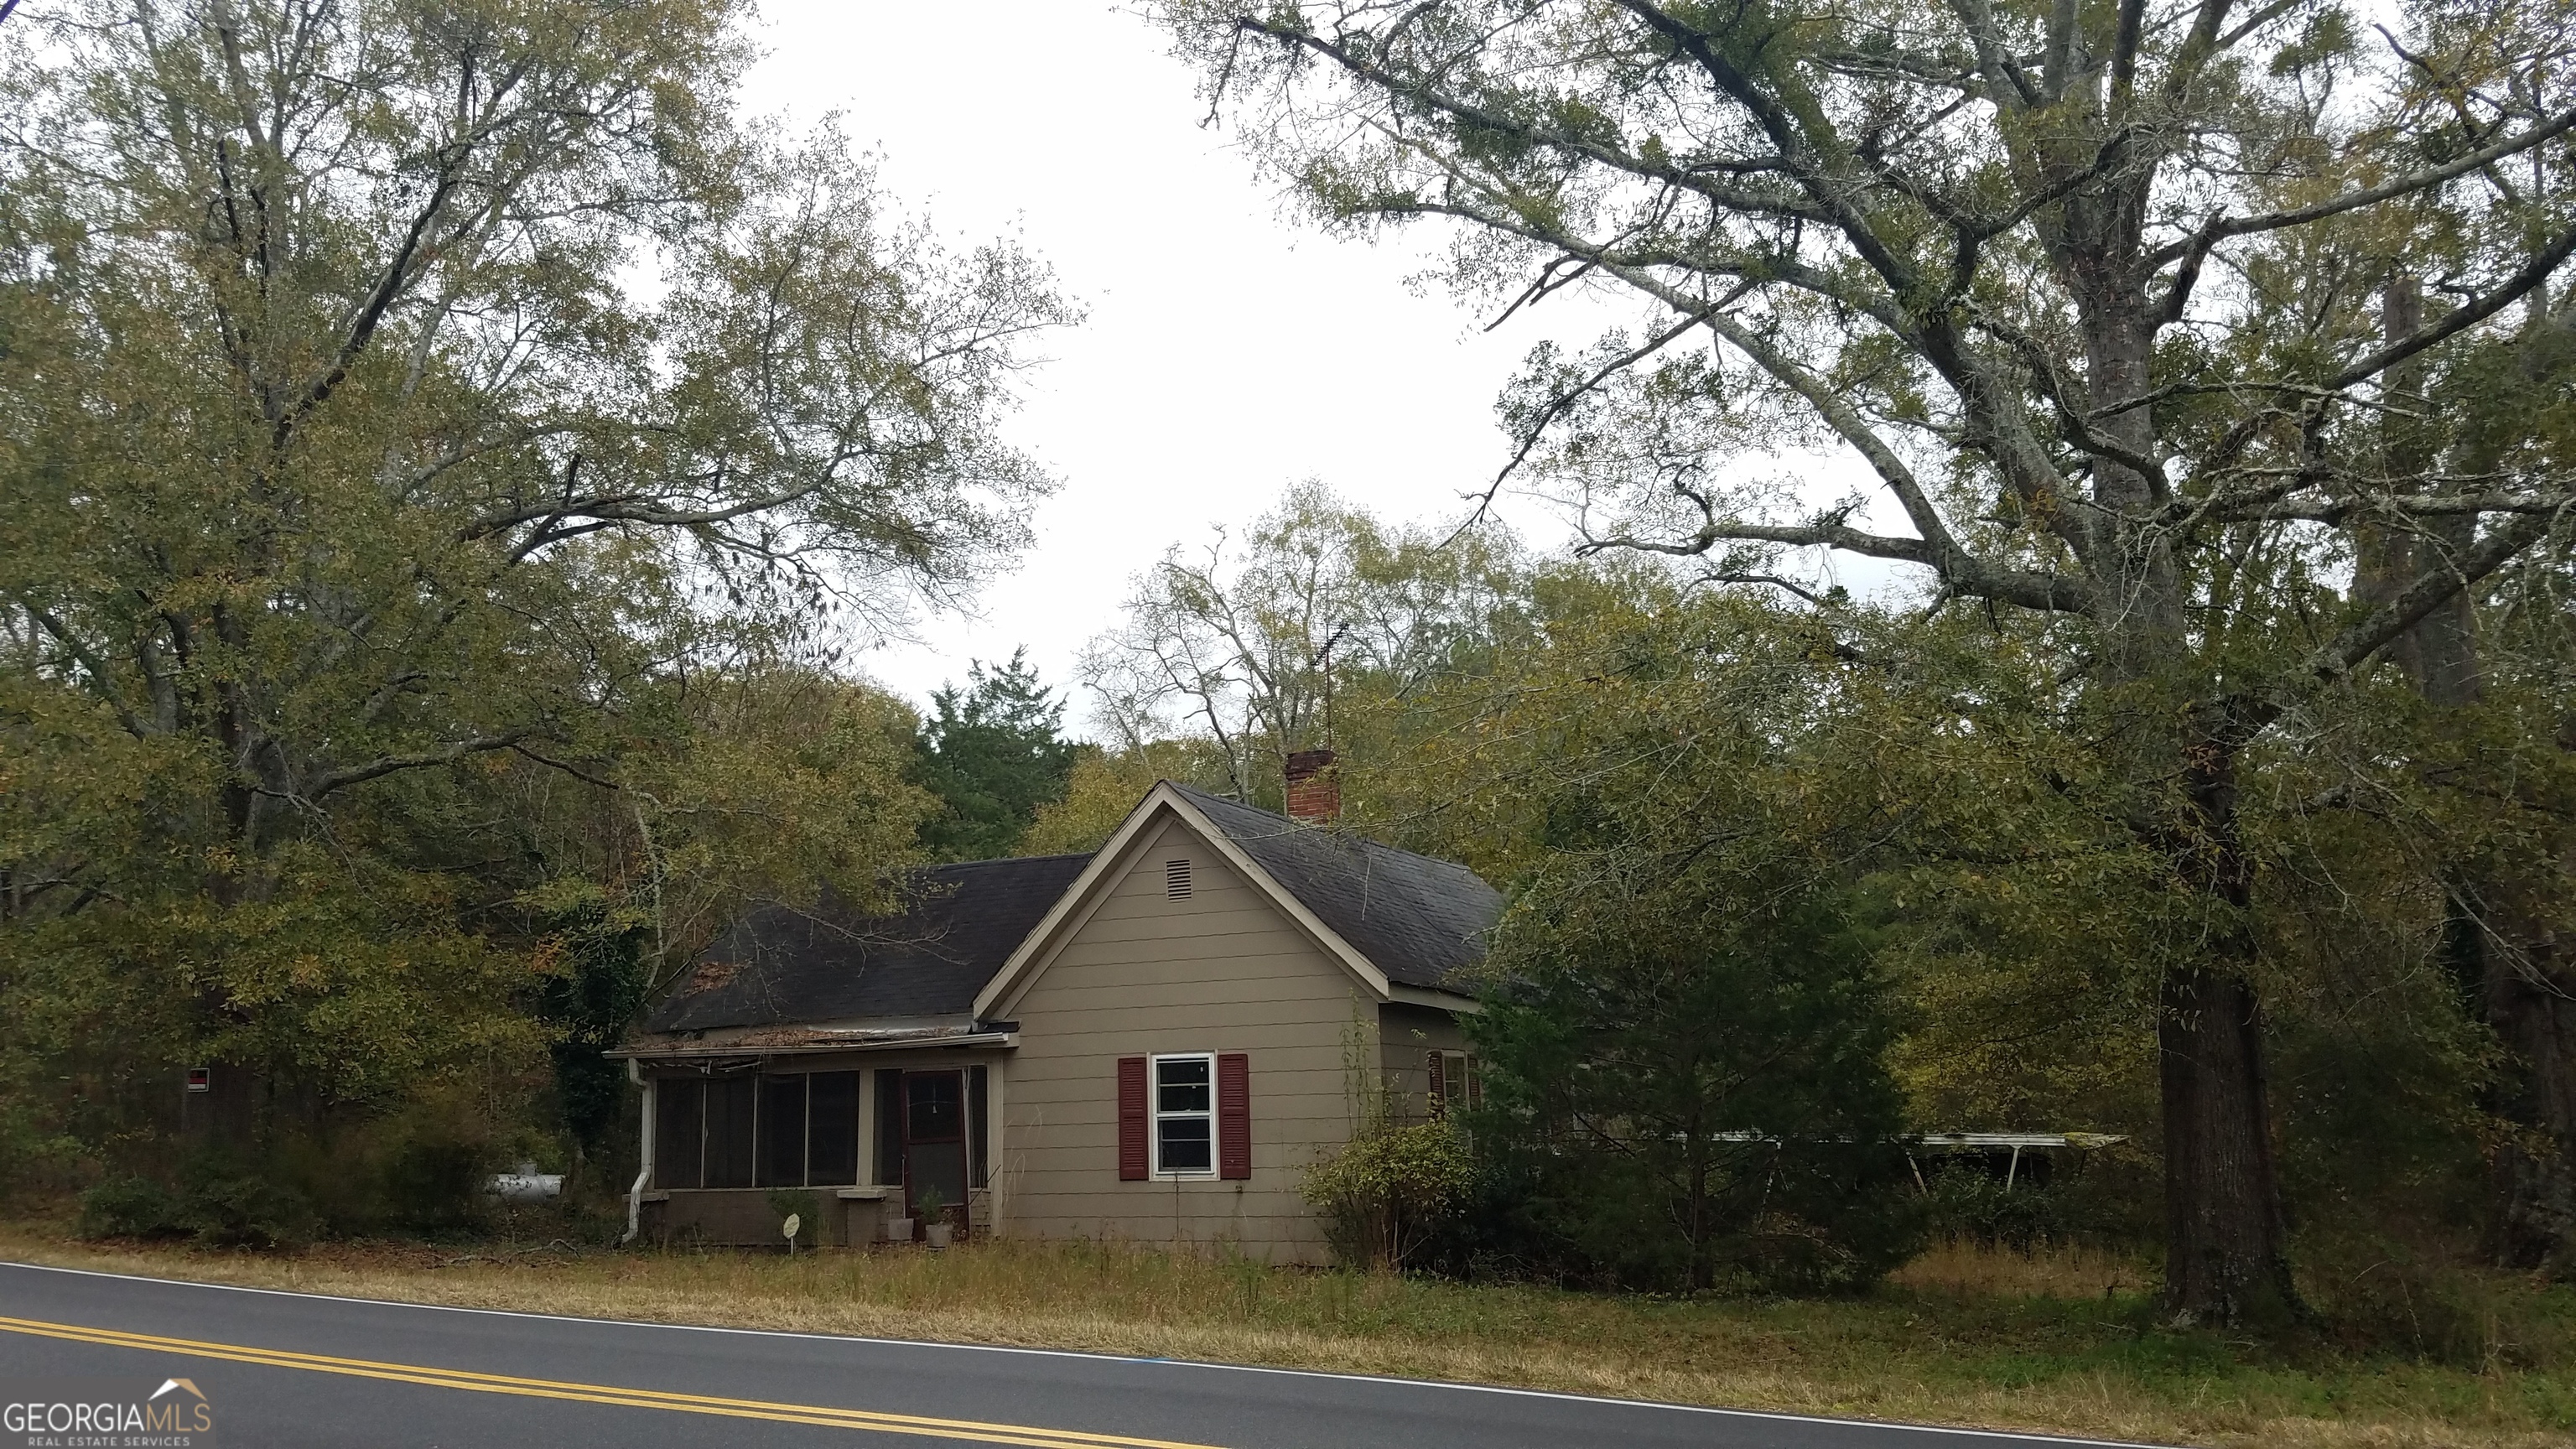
pixel 425 632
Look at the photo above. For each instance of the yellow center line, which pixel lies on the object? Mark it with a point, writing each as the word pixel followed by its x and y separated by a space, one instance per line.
pixel 969 1430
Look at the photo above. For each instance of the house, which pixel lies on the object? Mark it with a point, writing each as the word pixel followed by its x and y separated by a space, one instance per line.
pixel 1148 1043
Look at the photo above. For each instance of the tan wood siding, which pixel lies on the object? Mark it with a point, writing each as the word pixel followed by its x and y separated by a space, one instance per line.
pixel 1222 970
pixel 1406 1035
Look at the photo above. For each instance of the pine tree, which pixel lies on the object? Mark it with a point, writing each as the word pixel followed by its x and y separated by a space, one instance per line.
pixel 993 753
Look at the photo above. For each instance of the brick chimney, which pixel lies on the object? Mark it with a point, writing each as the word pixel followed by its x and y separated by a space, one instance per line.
pixel 1314 787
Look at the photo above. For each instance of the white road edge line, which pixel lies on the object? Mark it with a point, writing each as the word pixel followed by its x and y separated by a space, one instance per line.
pixel 1892 1425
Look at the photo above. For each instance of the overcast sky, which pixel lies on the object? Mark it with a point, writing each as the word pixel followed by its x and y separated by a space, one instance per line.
pixel 1230 350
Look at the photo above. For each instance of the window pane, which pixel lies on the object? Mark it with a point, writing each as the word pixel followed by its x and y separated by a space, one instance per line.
pixel 782 1131
pixel 1181 1085
pixel 729 1114
pixel 832 1130
pixel 1185 1144
pixel 676 1127
pixel 934 1099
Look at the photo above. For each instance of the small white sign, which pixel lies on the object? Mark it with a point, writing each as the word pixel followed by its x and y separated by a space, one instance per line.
pixel 791 1225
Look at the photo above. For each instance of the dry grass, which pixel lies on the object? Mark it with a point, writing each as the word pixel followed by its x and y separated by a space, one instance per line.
pixel 2063 1272
pixel 2062 1342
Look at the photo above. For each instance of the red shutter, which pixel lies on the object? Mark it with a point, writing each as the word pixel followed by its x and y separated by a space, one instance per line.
pixel 1233 1115
pixel 1131 1119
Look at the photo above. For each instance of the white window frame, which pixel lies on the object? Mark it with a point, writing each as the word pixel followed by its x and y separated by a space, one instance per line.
pixel 1154 1115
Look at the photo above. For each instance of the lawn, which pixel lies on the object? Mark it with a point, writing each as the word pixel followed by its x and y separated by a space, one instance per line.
pixel 2067 1342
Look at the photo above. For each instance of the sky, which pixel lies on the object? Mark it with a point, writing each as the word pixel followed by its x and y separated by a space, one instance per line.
pixel 1230 349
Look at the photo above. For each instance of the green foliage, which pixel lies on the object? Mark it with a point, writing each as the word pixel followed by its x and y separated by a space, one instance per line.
pixel 393 696
pixel 2179 735
pixel 1307 632
pixel 995 754
pixel 1105 785
pixel 802 1205
pixel 592 978
pixel 2104 1203
pixel 217 1203
pixel 225 1204
pixel 1696 1095
pixel 130 1207
pixel 1390 1188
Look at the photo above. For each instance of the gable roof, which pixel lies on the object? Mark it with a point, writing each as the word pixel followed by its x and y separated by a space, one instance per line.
pixel 1425 918
pixel 1417 919
pixel 778 965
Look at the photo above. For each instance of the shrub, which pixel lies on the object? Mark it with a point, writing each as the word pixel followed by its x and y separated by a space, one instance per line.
pixel 218 1202
pixel 800 1204
pixel 224 1206
pixel 434 1183
pixel 1693 1092
pixel 1973 1207
pixel 131 1207
pixel 1389 1189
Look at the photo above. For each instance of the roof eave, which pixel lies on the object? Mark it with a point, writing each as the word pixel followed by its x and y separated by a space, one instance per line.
pixel 1007 981
pixel 694 1051
pixel 1451 1001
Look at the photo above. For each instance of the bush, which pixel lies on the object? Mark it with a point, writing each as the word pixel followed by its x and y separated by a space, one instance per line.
pixel 1693 1093
pixel 131 1207
pixel 2421 1300
pixel 217 1202
pixel 802 1205
pixel 224 1206
pixel 433 1183
pixel 1972 1207
pixel 1389 1189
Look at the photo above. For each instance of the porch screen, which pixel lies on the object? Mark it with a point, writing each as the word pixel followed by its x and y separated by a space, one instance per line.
pixel 832 1130
pixel 890 1127
pixel 732 1106
pixel 782 1131
pixel 978 1092
pixel 678 1129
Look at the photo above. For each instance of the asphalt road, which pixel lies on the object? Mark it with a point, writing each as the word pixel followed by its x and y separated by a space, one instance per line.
pixel 289 1370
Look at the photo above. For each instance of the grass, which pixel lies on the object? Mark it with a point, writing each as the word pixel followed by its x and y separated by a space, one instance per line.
pixel 2063 1341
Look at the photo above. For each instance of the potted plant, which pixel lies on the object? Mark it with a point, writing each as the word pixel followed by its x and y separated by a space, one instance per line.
pixel 935 1227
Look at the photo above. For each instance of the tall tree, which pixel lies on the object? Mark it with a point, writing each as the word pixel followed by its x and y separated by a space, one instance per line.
pixel 2502 942
pixel 994 753
pixel 348 477
pixel 2087 292
pixel 1285 640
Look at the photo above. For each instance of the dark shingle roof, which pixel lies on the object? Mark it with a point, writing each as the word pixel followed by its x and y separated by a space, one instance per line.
pixel 1418 919
pixel 778 965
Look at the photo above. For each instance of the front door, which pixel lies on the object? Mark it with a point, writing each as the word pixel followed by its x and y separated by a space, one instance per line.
pixel 934 1144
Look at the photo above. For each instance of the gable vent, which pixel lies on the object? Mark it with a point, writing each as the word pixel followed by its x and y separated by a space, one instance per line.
pixel 1176 879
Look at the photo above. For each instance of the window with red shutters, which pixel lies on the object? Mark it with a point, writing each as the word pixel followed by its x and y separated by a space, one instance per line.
pixel 1131 1119
pixel 1233 1115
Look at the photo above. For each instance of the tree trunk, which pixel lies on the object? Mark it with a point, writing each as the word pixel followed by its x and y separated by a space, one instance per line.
pixel 2514 969
pixel 2530 989
pixel 2520 978
pixel 2226 1257
pixel 2226 1250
